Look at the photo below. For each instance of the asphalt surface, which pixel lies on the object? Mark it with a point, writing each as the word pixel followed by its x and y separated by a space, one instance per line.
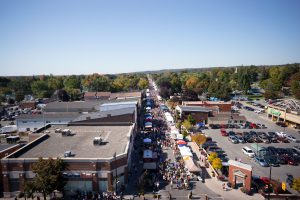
pixel 234 151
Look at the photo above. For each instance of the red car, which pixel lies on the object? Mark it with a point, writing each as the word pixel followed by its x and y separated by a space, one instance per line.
pixel 254 126
pixel 289 160
pixel 223 132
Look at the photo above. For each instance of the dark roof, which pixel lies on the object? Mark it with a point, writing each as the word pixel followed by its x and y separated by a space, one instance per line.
pixel 105 114
pixel 195 109
pixel 74 106
pixel 97 94
pixel 6 146
pixel 122 95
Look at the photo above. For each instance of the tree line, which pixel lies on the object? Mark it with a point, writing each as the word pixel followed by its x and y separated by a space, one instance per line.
pixel 69 87
pixel 276 81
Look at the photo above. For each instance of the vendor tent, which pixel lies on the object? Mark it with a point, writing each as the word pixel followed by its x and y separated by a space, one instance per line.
pixel 191 166
pixel 148 154
pixel 147 140
pixel 149 165
pixel 181 142
pixel 148 125
pixel 179 137
pixel 185 151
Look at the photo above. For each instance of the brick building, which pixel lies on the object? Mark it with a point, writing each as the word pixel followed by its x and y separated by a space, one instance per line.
pixel 200 114
pixel 91 167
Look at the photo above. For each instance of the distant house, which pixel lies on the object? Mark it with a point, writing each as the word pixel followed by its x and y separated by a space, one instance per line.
pixel 28 104
pixel 126 95
pixel 92 96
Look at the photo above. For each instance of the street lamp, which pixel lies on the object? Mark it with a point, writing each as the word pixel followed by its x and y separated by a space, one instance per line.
pixel 269 182
pixel 116 177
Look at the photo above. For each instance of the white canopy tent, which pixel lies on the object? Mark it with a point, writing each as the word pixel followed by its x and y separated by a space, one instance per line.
pixel 179 137
pixel 185 151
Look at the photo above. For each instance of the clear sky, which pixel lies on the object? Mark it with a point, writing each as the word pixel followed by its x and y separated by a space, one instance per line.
pixel 95 36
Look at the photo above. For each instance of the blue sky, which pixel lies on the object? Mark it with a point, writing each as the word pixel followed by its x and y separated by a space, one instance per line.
pixel 94 36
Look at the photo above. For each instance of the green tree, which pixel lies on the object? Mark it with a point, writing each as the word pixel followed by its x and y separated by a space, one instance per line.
pixel 191 119
pixel 217 163
pixel 48 175
pixel 40 89
pixel 143 83
pixel 295 85
pixel 55 83
pixel 29 189
pixel 187 125
pixel 244 80
pixel 19 96
pixel 296 184
pixel 74 94
pixel 72 82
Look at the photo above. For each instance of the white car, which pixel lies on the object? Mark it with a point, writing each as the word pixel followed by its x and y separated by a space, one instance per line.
pixel 281 134
pixel 248 152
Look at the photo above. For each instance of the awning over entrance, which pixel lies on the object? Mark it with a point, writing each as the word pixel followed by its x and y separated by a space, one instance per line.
pixel 239 173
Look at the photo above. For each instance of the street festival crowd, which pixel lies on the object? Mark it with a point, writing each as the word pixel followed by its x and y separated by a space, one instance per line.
pixel 156 138
pixel 168 172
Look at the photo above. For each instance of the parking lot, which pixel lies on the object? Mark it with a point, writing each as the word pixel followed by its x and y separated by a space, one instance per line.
pixel 234 151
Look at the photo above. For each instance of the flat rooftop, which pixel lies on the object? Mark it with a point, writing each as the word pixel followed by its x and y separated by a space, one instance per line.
pixel 81 143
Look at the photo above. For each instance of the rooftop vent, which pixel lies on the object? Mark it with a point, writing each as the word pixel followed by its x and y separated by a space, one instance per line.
pixel 67 154
pixel 98 141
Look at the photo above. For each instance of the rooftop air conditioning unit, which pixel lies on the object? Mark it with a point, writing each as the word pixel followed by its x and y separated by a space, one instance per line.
pixel 97 141
pixel 67 154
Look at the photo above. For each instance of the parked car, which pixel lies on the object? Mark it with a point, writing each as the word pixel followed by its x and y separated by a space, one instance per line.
pixel 264 138
pixel 272 160
pixel 282 124
pixel 292 138
pixel 240 139
pixel 281 134
pixel 231 133
pixel 248 152
pixel 223 132
pixel 233 139
pixel 282 140
pixel 289 160
pixel 261 161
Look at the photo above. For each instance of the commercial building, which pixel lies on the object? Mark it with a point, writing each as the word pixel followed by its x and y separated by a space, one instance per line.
pixel 90 167
pixel 219 106
pixel 287 111
pixel 199 113
pixel 5 150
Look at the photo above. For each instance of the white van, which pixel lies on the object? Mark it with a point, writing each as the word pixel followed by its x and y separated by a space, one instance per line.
pixel 248 152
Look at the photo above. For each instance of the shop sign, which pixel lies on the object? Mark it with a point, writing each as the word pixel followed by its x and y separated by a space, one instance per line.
pixel 275 112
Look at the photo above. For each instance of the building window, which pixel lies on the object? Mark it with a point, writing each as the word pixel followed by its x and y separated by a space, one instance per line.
pixel 24 122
